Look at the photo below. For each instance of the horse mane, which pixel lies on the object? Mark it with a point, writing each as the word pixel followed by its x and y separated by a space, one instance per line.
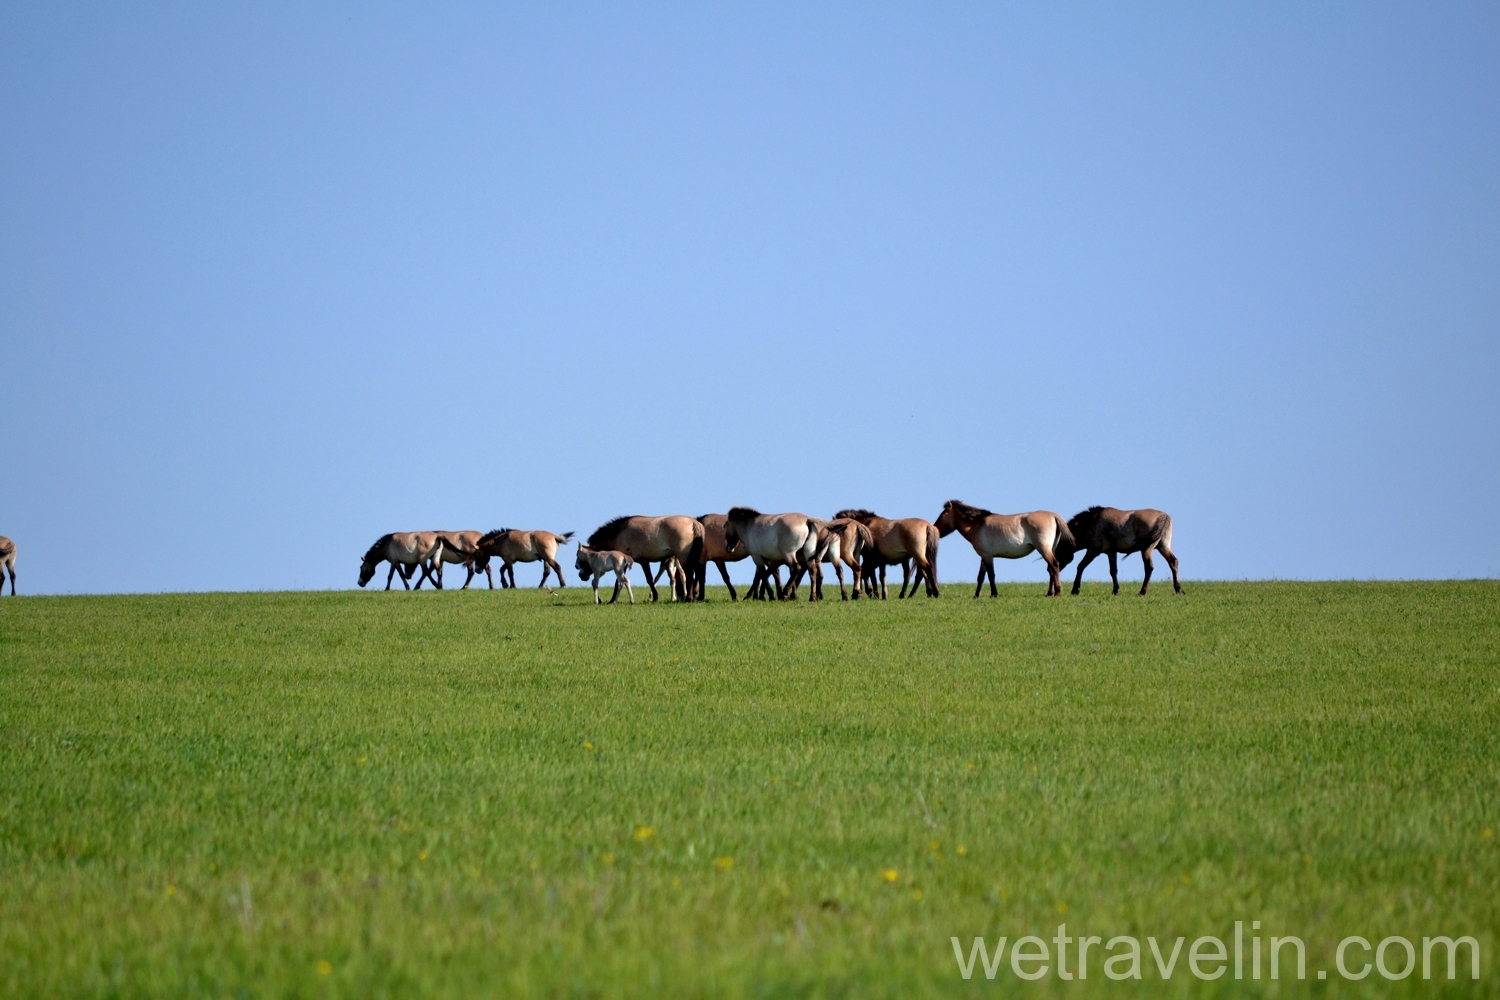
pixel 1085 517
pixel 381 543
pixel 965 513
pixel 604 536
pixel 490 536
pixel 856 513
pixel 742 514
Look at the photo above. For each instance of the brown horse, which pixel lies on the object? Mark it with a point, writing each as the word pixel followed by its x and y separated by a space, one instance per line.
pixel 406 551
pixel 7 562
pixel 1121 532
pixel 654 539
pixel 905 541
pixel 511 546
pixel 1010 536
pixel 459 547
pixel 718 551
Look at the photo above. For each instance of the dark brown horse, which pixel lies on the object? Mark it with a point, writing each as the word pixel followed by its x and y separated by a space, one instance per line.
pixel 717 551
pixel 1111 532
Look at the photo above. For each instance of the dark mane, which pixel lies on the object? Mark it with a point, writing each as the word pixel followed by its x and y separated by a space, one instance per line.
pixel 965 513
pixel 374 554
pixel 857 513
pixel 604 536
pixel 742 514
pixel 1084 519
pixel 490 536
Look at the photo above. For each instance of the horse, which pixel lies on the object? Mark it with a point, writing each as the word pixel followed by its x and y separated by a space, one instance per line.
pixel 1121 532
pixel 596 564
pixel 511 546
pixel 1010 536
pixel 653 539
pixel 844 542
pixel 904 541
pixel 718 551
pixel 774 540
pixel 840 542
pixel 406 551
pixel 460 547
pixel 7 562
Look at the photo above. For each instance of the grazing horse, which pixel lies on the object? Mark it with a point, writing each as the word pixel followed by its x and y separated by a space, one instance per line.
pixel 905 541
pixel 460 547
pixel 511 546
pixel 595 564
pixel 7 562
pixel 774 540
pixel 1121 532
pixel 1010 536
pixel 406 551
pixel 718 551
pixel 654 539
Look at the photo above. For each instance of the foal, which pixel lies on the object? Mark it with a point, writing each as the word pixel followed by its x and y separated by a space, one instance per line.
pixel 7 562
pixel 592 563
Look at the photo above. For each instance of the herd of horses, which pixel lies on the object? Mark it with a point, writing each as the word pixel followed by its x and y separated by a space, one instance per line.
pixel 858 540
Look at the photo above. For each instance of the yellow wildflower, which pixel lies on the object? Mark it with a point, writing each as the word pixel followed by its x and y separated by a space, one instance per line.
pixel 725 863
pixel 644 833
pixel 890 875
pixel 324 967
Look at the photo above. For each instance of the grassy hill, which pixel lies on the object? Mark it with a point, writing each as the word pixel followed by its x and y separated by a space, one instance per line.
pixel 506 793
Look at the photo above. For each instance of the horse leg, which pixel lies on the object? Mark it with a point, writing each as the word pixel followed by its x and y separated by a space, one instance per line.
pixel 650 579
pixel 1166 554
pixel 1088 557
pixel 1054 574
pixel 470 578
pixel 388 577
pixel 984 564
pixel 596 588
pixel 1114 571
pixel 618 578
pixel 557 572
pixel 724 573
pixel 1146 561
pixel 488 575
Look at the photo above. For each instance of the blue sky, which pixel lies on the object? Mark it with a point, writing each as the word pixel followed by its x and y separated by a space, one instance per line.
pixel 276 281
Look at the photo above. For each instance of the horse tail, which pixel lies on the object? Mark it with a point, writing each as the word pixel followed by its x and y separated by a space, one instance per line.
pixel 562 539
pixel 1066 545
pixel 932 550
pixel 695 551
pixel 1161 530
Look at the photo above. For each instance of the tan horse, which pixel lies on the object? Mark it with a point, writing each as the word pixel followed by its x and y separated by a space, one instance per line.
pixel 1010 536
pixel 654 539
pixel 7 562
pixel 718 551
pixel 905 541
pixel 843 543
pixel 511 546
pixel 460 547
pixel 1121 532
pixel 595 564
pixel 406 551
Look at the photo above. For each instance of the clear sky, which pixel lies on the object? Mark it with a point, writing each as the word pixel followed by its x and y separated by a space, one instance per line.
pixel 276 281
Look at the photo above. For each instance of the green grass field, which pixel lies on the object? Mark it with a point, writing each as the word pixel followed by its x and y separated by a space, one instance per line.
pixel 510 794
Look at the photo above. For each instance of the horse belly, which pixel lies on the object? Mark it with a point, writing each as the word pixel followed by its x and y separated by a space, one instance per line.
pixel 1005 543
